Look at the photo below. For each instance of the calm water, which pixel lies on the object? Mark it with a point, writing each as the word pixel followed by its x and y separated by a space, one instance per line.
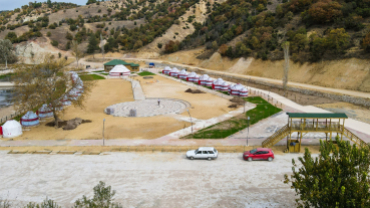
pixel 5 98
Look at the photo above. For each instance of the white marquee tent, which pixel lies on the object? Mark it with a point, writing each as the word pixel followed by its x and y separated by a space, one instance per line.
pixel 119 70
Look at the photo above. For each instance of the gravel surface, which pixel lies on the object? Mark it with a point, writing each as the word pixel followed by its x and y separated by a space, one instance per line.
pixel 148 179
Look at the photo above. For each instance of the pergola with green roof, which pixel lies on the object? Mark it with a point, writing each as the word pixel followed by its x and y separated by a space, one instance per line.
pixel 109 65
pixel 303 123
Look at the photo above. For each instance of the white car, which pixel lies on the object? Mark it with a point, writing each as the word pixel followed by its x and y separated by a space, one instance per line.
pixel 208 153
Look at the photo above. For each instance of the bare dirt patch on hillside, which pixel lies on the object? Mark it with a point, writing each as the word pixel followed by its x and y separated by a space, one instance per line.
pixel 180 31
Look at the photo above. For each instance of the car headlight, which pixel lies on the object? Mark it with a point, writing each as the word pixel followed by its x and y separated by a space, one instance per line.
pixel 246 155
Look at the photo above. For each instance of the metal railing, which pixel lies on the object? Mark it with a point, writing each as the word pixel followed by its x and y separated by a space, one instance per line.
pixel 276 137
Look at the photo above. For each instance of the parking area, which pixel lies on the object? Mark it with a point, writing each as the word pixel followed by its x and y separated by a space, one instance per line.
pixel 148 179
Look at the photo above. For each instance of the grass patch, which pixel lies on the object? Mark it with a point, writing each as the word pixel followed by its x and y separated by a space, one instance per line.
pixel 229 127
pixel 6 76
pixel 88 77
pixel 146 73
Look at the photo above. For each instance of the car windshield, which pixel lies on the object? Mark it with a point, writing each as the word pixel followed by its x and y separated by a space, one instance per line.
pixel 253 151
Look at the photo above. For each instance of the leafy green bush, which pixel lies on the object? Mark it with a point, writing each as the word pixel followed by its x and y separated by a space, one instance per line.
pixel 54 43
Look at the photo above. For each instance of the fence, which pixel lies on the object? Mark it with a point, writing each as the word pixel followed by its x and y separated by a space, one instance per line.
pixel 9 117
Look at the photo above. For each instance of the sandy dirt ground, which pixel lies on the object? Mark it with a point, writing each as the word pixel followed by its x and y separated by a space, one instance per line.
pixel 148 179
pixel 204 105
pixel 105 93
pixel 111 91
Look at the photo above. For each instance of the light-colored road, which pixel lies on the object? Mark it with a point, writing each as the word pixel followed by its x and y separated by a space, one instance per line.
pixel 148 179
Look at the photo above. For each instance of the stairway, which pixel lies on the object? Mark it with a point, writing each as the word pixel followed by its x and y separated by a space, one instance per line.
pixel 276 137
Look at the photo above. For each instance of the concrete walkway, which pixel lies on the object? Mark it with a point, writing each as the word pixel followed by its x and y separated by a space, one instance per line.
pixel 136 89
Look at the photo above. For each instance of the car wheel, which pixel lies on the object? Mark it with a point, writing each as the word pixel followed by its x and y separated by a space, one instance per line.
pixel 269 159
pixel 191 158
pixel 209 158
pixel 250 159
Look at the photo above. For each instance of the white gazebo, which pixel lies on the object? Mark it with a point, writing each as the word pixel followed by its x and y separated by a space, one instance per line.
pixel 119 70
pixel 11 129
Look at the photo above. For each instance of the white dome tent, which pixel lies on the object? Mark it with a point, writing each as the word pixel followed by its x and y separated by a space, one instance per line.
pixel 45 111
pixel 183 74
pixel 217 84
pixel 166 70
pixel 11 129
pixel 203 79
pixel 30 119
pixel 119 70
pixel 224 87
pixel 174 72
pixel 74 94
pixel 243 92
pixel 66 101
pixel 193 77
pixel 74 76
pixel 234 90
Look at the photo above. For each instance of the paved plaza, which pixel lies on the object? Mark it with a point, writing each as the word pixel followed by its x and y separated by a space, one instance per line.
pixel 149 107
pixel 148 179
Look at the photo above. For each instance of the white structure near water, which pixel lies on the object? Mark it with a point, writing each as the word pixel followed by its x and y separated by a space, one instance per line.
pixel 11 128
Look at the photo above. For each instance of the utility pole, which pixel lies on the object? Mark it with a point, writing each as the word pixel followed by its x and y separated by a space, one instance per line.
pixel 103 133
pixel 191 120
pixel 248 131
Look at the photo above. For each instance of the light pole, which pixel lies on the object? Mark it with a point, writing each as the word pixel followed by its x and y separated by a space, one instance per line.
pixel 248 132
pixel 103 133
pixel 191 120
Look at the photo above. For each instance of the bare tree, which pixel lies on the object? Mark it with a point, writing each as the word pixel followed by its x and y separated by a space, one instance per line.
pixel 286 65
pixel 6 50
pixel 47 83
pixel 76 52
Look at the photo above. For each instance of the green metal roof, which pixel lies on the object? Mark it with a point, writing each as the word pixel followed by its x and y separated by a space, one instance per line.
pixel 132 64
pixel 115 62
pixel 317 115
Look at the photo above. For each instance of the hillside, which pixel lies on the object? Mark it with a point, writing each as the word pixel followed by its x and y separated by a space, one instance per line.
pixel 234 31
pixel 320 29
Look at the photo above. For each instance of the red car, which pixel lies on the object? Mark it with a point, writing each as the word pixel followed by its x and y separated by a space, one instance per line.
pixel 259 154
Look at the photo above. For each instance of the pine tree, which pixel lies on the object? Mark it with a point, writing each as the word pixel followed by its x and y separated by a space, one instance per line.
pixel 93 44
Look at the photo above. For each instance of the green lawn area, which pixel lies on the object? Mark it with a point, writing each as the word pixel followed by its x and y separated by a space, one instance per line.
pixel 6 76
pixel 229 127
pixel 88 77
pixel 146 73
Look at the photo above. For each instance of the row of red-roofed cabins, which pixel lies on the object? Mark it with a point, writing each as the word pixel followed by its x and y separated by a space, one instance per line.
pixel 204 80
